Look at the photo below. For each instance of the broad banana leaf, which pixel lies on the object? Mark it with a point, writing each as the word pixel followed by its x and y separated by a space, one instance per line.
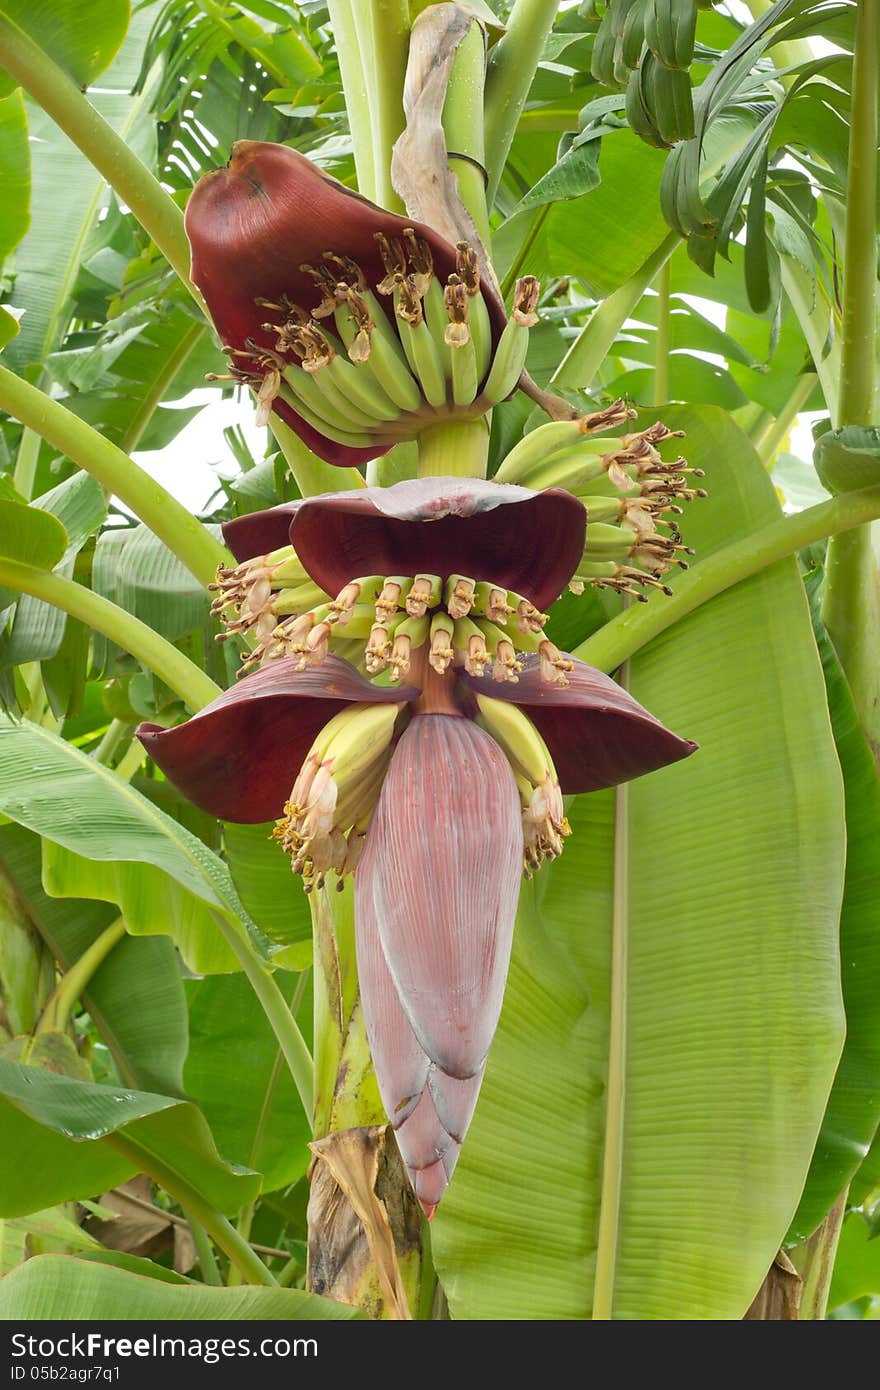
pixel 673 1016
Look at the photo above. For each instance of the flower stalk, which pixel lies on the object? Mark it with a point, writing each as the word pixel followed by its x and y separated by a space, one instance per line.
pixel 186 679
pixel 183 533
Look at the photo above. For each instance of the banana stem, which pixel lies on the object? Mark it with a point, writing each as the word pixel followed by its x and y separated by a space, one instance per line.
pixel 311 474
pixel 631 630
pixel 385 77
pixel 851 609
pixel 775 432
pixel 459 449
pixel 187 680
pixel 71 986
pixel 277 1011
pixel 26 461
pixel 60 98
pixel 512 65
pixel 814 1262
pixel 590 348
pixel 463 127
pixel 183 533
pixel 661 360
pixel 354 83
pixel 224 1235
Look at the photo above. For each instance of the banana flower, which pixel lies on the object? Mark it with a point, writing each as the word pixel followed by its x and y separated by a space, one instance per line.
pixel 410 722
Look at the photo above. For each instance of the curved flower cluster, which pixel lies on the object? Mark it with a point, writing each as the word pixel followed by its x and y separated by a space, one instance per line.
pixel 436 793
pixel 355 346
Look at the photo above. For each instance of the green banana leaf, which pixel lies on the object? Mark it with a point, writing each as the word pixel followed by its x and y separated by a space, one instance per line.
pixel 67 192
pixel 81 39
pixel 235 1073
pixel 15 172
pixel 164 879
pixel 66 1129
pixel 693 949
pixel 60 1287
pixel 857 1263
pixel 135 998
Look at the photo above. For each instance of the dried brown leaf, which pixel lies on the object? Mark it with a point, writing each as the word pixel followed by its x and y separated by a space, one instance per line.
pixel 420 169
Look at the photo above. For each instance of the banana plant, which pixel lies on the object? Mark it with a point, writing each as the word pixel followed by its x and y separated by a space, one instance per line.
pixel 531 640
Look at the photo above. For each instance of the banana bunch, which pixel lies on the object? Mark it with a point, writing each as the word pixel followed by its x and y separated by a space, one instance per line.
pixel 364 377
pixel 647 46
pixel 631 495
pixel 382 622
pixel 544 821
pixel 326 816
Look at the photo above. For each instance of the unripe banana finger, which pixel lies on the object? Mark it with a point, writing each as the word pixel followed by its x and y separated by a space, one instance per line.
pixel 464 373
pixel 537 446
pixel 508 363
pixel 337 399
pixel 352 438
pixel 427 362
pixel 518 737
pixel 360 387
pixel 437 320
pixel 481 333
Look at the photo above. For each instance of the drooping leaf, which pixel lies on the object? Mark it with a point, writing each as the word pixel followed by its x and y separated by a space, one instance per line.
pixel 857 1263
pixel 67 1129
pixel 31 536
pixel 82 40
pixel 54 1287
pixel 135 998
pixel 42 1231
pixel 77 803
pixel 727 1020
pixel 38 628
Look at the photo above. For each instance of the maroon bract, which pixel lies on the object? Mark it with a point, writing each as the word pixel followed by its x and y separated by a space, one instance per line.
pixel 238 757
pixel 531 542
pixel 597 734
pixel 435 901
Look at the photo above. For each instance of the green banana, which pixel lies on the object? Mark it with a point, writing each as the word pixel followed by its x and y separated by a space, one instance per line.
pixel 299 599
pixel 672 103
pixel 639 112
pixel 481 333
pixel 338 402
pixel 508 362
pixel 538 446
pixel 421 350
pixel 519 738
pixel 355 439
pixel 606 542
pixel 437 320
pixel 361 389
pixel 464 373
pixel 386 360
